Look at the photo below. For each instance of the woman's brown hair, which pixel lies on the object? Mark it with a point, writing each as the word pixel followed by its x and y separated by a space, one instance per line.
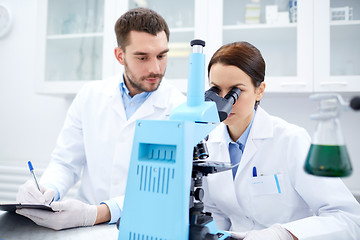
pixel 244 56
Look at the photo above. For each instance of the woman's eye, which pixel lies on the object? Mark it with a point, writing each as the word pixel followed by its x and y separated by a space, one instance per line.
pixel 215 89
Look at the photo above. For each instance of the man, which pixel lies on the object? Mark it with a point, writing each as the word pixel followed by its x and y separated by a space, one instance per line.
pixel 95 143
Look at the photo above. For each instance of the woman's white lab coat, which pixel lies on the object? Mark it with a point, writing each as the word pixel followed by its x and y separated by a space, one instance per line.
pixel 96 140
pixel 306 205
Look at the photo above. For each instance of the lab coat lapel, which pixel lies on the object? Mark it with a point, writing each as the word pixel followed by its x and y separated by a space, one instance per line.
pixel 249 152
pixel 217 182
pixel 261 129
pixel 115 99
pixel 118 105
pixel 219 152
pixel 143 111
pixel 157 99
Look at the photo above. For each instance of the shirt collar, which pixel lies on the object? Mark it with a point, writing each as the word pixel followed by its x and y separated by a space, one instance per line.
pixel 123 88
pixel 125 91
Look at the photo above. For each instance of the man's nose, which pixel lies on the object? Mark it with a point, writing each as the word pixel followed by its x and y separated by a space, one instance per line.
pixel 154 66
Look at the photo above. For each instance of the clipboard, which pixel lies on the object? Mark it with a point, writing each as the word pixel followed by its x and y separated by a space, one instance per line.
pixel 11 207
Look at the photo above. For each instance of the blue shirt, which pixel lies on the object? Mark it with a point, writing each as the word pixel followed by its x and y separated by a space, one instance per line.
pixel 131 104
pixel 237 148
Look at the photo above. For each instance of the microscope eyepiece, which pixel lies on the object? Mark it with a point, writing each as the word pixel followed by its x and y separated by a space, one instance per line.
pixel 197 42
pixel 233 95
pixel 224 105
pixel 197 45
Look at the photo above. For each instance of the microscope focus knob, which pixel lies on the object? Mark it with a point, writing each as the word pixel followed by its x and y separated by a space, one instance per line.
pixel 199 194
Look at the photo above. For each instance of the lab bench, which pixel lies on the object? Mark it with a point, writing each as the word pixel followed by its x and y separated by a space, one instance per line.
pixel 14 226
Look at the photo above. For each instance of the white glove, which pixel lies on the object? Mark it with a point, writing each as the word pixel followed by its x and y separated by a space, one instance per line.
pixel 275 232
pixel 69 213
pixel 29 193
pixel 238 235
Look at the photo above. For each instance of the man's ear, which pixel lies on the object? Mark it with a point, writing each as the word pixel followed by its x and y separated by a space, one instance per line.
pixel 119 55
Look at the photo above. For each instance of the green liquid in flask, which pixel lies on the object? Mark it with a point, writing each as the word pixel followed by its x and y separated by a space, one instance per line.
pixel 330 161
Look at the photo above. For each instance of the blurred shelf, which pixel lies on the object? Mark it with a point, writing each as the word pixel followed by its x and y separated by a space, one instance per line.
pixel 256 37
pixel 345 23
pixel 348 30
pixel 259 26
pixel 189 29
pixel 179 50
pixel 76 35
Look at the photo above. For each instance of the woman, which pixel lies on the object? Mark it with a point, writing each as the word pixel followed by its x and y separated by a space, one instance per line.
pixel 269 196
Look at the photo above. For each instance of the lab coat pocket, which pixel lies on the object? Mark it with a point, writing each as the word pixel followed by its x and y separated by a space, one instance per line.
pixel 264 185
pixel 267 198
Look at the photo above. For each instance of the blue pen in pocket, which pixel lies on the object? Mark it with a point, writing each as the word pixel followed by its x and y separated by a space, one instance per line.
pixel 254 172
pixel 277 183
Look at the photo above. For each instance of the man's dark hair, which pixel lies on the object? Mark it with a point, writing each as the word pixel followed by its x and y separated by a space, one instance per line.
pixel 142 20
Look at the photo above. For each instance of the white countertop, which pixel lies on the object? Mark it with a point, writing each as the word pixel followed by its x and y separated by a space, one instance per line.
pixel 14 226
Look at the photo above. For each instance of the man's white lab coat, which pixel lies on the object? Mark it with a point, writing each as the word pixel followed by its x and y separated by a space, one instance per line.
pixel 95 143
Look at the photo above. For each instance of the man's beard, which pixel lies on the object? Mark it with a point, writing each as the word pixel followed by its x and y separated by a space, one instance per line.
pixel 138 84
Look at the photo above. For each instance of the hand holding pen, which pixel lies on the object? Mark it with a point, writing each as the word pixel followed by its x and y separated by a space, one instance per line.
pixel 33 192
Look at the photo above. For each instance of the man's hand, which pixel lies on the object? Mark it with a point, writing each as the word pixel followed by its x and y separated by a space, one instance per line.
pixel 275 232
pixel 29 193
pixel 69 214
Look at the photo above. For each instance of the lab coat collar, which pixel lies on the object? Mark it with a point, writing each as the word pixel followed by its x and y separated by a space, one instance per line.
pixel 158 99
pixel 262 128
pixel 157 96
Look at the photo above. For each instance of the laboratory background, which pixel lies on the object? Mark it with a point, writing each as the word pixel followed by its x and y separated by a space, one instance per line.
pixel 50 48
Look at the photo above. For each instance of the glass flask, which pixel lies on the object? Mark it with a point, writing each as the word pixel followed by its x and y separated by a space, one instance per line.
pixel 328 155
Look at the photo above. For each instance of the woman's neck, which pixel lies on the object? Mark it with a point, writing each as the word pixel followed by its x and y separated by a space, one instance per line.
pixel 237 129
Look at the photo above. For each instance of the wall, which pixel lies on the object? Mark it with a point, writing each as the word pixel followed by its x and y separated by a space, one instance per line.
pixel 30 122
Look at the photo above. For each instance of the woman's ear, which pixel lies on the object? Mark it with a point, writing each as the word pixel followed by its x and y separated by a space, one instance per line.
pixel 119 55
pixel 260 91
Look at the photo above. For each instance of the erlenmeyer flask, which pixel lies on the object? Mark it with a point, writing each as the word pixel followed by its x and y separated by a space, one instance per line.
pixel 328 154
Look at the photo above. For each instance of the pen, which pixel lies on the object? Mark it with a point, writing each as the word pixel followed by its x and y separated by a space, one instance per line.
pixel 277 183
pixel 33 173
pixel 254 172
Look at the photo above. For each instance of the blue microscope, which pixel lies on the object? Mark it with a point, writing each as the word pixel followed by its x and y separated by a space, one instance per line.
pixel 163 192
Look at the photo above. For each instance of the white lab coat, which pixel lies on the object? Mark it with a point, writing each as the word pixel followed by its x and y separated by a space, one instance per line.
pixel 308 206
pixel 95 143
